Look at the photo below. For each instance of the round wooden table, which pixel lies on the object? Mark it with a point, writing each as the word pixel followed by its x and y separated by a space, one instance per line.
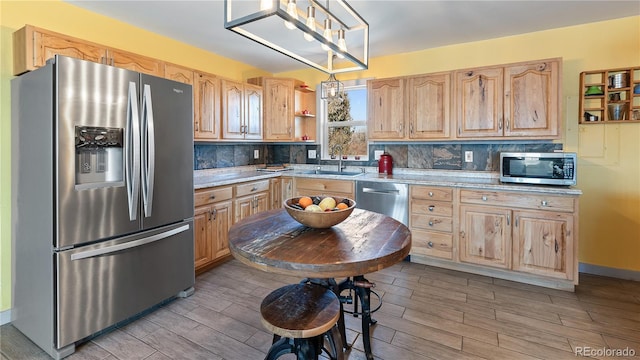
pixel 365 242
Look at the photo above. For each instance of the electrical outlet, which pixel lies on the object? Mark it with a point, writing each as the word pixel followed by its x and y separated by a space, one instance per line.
pixel 377 154
pixel 256 154
pixel 311 154
pixel 468 156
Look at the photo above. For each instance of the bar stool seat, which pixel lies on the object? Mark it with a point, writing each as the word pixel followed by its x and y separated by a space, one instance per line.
pixel 300 317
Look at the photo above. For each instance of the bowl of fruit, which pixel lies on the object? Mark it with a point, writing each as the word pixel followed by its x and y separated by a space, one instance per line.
pixel 319 211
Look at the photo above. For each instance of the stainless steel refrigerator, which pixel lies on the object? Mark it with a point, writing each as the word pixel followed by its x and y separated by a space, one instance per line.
pixel 102 187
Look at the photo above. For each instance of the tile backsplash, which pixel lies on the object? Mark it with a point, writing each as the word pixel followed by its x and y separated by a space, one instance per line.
pixel 448 156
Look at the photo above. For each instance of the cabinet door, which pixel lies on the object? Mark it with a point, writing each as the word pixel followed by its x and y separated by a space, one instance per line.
pixel 543 243
pixel 278 109
pixel 221 220
pixel 386 109
pixel 429 106
pixel 253 112
pixel 287 189
pixel 260 203
pixel 178 73
pixel 46 46
pixel 203 246
pixel 479 97
pixel 275 189
pixel 232 110
pixel 243 207
pixel 485 235
pixel 127 60
pixel 531 100
pixel 206 109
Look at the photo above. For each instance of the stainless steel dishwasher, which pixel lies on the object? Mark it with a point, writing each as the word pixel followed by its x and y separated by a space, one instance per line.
pixel 385 198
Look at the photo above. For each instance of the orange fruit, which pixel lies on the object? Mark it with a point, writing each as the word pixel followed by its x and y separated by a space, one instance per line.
pixel 305 201
pixel 341 206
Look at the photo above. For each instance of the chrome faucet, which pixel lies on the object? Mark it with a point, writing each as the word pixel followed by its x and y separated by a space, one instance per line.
pixel 333 150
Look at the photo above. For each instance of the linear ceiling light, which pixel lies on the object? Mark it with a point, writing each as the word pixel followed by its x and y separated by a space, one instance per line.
pixel 302 30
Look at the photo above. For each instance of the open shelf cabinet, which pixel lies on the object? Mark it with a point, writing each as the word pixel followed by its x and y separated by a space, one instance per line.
pixel 610 96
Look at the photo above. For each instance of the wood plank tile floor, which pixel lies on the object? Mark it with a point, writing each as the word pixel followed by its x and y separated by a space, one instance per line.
pixel 427 313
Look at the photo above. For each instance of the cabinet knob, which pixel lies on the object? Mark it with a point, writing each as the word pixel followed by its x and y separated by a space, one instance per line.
pixel 254 188
pixel 484 197
pixel 430 244
pixel 430 223
pixel 544 203
pixel 430 193
pixel 431 207
pixel 212 197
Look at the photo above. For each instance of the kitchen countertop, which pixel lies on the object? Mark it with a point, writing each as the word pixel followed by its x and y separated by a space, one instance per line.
pixel 451 178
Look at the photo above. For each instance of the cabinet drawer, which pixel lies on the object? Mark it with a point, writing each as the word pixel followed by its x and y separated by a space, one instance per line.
pixel 431 243
pixel 427 222
pixel 252 187
pixel 319 186
pixel 208 196
pixel 428 207
pixel 431 193
pixel 528 201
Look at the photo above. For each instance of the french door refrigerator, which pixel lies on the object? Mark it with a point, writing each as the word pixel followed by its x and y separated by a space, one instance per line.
pixel 102 186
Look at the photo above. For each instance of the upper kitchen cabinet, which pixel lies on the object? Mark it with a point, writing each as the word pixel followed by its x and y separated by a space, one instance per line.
pixel 386 109
pixel 305 113
pixel 241 111
pixel 279 109
pixel 429 101
pixel 206 107
pixel 33 46
pixel 178 73
pixel 509 101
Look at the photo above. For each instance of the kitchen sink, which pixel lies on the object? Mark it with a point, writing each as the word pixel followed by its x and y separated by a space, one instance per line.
pixel 331 172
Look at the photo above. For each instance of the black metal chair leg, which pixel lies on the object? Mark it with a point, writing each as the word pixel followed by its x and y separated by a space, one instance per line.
pixel 279 348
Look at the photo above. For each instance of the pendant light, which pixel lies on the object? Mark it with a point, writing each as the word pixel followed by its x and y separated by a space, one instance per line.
pixel 327 34
pixel 311 22
pixel 293 12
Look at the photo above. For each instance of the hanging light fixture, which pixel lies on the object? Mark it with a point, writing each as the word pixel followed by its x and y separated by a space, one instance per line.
pixel 331 88
pixel 261 21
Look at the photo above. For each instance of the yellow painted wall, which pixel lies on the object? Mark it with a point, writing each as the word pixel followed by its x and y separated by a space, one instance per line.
pixel 609 170
pixel 609 155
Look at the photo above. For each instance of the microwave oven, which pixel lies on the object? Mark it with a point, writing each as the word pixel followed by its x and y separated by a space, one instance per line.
pixel 538 168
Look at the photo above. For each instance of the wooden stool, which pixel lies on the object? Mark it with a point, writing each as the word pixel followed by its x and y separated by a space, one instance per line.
pixel 301 316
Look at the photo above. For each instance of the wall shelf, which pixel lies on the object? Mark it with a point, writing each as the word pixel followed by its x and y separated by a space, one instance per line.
pixel 616 103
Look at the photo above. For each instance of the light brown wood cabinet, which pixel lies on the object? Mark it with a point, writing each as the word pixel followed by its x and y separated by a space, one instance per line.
pixel 279 108
pixel 516 101
pixel 179 73
pixel 616 88
pixel 275 192
pixel 429 106
pixel 431 220
pixel 331 187
pixel 386 109
pixel 251 198
pixel 241 111
pixel 33 46
pixel 287 188
pixel 213 217
pixel 206 108
pixel 529 233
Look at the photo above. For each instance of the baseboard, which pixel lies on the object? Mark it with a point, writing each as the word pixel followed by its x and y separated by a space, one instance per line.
pixel 610 272
pixel 5 317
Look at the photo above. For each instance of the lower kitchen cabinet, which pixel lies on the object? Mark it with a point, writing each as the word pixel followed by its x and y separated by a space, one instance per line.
pixel 287 188
pixel 212 220
pixel 275 187
pixel 431 221
pixel 313 186
pixel 251 198
pixel 528 237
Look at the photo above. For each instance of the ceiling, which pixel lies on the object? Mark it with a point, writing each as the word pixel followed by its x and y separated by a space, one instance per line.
pixel 395 26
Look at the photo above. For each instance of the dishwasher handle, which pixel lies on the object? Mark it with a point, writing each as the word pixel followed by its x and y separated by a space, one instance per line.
pixel 380 191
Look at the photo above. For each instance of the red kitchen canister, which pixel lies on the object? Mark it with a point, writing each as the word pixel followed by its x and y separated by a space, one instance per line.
pixel 385 164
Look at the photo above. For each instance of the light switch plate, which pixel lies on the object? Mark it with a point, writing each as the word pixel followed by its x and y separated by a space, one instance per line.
pixel 256 154
pixel 311 154
pixel 377 154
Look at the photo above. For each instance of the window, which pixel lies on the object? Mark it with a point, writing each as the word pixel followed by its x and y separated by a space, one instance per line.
pixel 344 124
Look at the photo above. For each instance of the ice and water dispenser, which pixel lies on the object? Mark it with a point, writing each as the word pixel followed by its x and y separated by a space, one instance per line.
pixel 99 157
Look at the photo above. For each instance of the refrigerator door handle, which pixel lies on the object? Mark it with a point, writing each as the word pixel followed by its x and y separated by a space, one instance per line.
pixel 148 150
pixel 128 245
pixel 132 152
